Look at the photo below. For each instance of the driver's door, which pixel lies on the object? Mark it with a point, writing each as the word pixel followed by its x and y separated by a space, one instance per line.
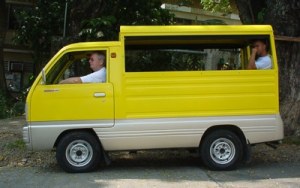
pixel 88 103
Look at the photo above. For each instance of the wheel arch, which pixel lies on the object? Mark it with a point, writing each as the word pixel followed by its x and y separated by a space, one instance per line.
pixel 236 130
pixel 91 131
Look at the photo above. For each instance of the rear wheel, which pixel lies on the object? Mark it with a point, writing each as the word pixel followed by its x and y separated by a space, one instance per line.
pixel 78 152
pixel 221 150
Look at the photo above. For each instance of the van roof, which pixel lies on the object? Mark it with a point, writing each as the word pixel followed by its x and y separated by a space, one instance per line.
pixel 195 30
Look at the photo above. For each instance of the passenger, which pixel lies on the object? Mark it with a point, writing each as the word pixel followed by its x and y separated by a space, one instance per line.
pixel 226 66
pixel 259 59
pixel 97 64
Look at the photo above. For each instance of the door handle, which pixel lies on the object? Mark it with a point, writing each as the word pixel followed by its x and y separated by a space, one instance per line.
pixel 51 90
pixel 99 94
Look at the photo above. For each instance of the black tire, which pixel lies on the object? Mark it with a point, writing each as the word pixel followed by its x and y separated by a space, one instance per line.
pixel 221 150
pixel 78 152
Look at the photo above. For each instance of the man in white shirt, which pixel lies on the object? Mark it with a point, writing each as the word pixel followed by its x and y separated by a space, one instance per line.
pixel 97 64
pixel 259 59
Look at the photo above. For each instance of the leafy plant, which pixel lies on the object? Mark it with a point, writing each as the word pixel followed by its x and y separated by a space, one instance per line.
pixel 18 144
pixel 3 106
pixel 98 28
pixel 86 21
pixel 12 106
pixel 37 26
pixel 261 15
pixel 105 25
pixel 216 5
pixel 18 108
pixel 292 140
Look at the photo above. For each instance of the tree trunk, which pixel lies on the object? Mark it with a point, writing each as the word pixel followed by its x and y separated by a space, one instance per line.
pixel 289 71
pixel 284 16
pixel 3 27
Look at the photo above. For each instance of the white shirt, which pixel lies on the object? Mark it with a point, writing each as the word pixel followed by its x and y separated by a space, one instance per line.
pixel 98 76
pixel 264 62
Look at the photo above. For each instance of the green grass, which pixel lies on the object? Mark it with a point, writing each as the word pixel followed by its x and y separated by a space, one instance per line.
pixel 18 144
pixel 292 140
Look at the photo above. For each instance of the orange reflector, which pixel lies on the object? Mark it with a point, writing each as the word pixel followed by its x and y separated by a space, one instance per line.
pixel 113 55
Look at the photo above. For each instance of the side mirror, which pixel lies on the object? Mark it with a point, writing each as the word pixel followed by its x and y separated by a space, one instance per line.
pixel 43 77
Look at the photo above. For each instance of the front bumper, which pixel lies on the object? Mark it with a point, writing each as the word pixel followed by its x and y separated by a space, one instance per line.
pixel 26 137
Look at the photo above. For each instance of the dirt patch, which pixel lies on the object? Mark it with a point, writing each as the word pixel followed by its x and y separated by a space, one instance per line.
pixel 13 149
pixel 14 152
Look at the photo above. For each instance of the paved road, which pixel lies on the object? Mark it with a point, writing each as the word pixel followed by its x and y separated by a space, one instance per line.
pixel 178 172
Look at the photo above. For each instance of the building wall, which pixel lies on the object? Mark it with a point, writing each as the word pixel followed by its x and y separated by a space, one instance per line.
pixel 17 59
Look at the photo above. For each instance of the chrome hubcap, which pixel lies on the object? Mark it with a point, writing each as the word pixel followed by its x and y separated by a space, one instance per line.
pixel 79 153
pixel 222 151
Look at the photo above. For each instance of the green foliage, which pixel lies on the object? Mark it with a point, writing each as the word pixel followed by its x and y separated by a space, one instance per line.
pixel 143 12
pixel 37 26
pixel 3 106
pixel 261 16
pixel 90 20
pixel 17 109
pixel 216 5
pixel 292 140
pixel 98 28
pixel 10 107
pixel 18 144
pixel 120 12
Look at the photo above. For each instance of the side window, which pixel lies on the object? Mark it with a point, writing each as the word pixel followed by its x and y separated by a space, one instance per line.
pixel 186 53
pixel 182 59
pixel 260 54
pixel 71 64
pixel 144 59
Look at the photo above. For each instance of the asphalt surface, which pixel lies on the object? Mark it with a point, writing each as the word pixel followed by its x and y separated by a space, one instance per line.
pixel 178 172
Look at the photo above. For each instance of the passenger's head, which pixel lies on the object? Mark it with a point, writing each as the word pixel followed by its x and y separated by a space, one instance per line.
pixel 261 46
pixel 97 61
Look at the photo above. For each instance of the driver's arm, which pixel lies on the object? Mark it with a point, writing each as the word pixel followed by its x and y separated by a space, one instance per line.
pixel 72 80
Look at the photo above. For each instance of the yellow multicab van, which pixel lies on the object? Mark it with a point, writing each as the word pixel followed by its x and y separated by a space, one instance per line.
pixel 166 87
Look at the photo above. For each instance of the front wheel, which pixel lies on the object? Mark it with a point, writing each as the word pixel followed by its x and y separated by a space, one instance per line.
pixel 221 150
pixel 78 152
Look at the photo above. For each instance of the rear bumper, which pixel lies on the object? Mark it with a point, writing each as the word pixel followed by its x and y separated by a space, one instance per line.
pixel 266 129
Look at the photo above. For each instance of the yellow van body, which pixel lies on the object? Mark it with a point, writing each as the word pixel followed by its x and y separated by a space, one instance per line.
pixel 158 109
